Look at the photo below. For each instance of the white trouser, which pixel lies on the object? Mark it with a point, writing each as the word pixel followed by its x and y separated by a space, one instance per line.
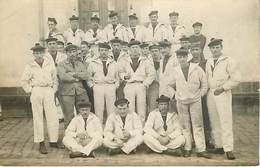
pixel 72 144
pixel 192 122
pixel 136 91
pixel 42 99
pixel 104 94
pixel 156 146
pixel 152 95
pixel 220 117
pixel 128 146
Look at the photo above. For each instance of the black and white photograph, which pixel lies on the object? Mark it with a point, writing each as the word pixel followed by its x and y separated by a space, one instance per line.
pixel 129 82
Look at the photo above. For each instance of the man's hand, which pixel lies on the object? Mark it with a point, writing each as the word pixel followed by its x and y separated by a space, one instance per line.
pixel 126 135
pixel 164 140
pixel 127 77
pixel 118 141
pixel 218 91
pixel 81 135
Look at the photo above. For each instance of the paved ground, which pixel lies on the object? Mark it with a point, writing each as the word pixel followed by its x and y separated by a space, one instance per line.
pixel 17 148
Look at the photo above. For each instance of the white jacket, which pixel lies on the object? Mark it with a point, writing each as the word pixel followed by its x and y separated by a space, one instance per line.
pixel 95 69
pixel 154 124
pixel 76 40
pixel 144 73
pixel 139 34
pixel 77 125
pixel 36 76
pixel 191 90
pixel 114 125
pixel 225 73
pixel 91 39
pixel 120 32
pixel 159 34
pixel 174 37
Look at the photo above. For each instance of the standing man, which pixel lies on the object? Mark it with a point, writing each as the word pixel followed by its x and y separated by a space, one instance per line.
pixel 123 130
pixel 198 37
pixel 40 79
pixel 138 73
pixel 190 84
pixel 103 80
pixel 153 91
pixel 223 75
pixel 71 73
pixel 135 31
pixel 84 133
pixel 74 35
pixel 175 30
pixel 94 34
pixel 163 132
pixel 115 29
pixel 53 31
pixel 155 31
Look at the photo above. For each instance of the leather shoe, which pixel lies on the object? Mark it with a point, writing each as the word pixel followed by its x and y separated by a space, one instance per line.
pixel 57 145
pixel 187 153
pixel 91 155
pixel 42 148
pixel 76 154
pixel 204 155
pixel 230 155
pixel 175 152
pixel 217 151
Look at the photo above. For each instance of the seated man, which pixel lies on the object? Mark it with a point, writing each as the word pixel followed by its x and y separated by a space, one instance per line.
pixel 84 133
pixel 123 129
pixel 163 133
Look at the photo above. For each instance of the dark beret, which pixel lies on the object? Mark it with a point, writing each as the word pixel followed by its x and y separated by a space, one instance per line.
pixel 165 43
pixel 163 98
pixel 195 45
pixel 174 13
pixel 154 46
pixel 95 17
pixel 84 43
pixel 124 43
pixel 37 47
pixel 50 39
pixel 197 24
pixel 73 17
pixel 144 44
pixel 133 42
pixel 104 45
pixel 112 14
pixel 121 102
pixel 182 51
pixel 84 104
pixel 214 42
pixel 184 38
pixel 52 20
pixel 60 42
pixel 115 40
pixel 70 46
pixel 153 12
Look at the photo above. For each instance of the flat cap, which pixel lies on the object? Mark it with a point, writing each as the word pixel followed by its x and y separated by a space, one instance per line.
pixel 124 43
pixel 163 98
pixel 104 45
pixel 84 104
pixel 174 13
pixel 60 43
pixel 214 41
pixel 70 46
pixel 121 102
pixel 133 16
pixel 196 24
pixel 84 43
pixel 50 39
pixel 144 44
pixel 184 38
pixel 112 14
pixel 195 45
pixel 51 19
pixel 133 42
pixel 165 43
pixel 37 47
pixel 115 40
pixel 182 51
pixel 153 12
pixel 73 17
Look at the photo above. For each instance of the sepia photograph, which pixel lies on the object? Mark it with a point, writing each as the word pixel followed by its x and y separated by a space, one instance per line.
pixel 129 82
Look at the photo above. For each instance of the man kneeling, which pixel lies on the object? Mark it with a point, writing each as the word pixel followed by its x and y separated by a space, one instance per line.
pixel 123 129
pixel 163 133
pixel 84 133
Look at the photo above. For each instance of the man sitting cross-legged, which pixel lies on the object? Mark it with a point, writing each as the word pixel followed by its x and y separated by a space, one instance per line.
pixel 123 129
pixel 84 133
pixel 163 133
